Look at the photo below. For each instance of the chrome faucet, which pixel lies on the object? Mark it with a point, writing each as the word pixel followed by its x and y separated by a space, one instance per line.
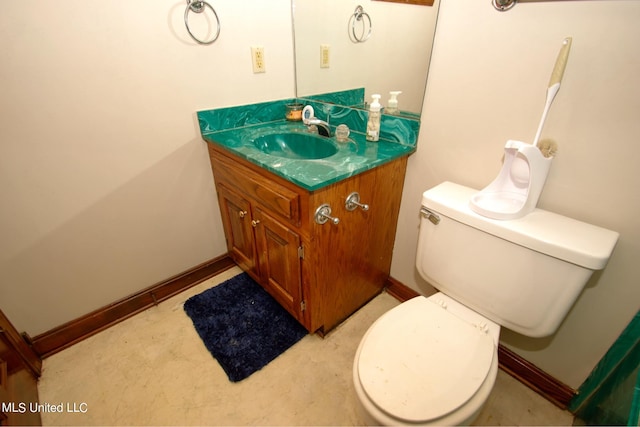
pixel 309 119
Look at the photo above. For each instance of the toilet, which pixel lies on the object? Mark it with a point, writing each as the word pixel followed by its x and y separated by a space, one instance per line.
pixel 434 360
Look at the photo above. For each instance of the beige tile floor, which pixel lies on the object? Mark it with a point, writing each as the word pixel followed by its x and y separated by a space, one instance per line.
pixel 153 369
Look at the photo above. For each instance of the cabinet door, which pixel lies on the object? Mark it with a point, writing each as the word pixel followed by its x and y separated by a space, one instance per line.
pixel 279 262
pixel 236 219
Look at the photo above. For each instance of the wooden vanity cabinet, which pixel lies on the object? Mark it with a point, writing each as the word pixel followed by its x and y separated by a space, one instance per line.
pixel 320 273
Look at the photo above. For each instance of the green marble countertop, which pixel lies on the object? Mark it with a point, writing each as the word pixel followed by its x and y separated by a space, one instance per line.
pixel 353 157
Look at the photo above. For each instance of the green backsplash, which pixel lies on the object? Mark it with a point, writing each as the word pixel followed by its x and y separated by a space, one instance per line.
pixel 242 115
pixel 393 128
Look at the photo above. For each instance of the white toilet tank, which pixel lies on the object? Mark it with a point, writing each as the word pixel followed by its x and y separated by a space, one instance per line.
pixel 524 274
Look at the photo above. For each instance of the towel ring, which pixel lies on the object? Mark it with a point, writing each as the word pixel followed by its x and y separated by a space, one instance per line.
pixel 503 5
pixel 198 6
pixel 358 14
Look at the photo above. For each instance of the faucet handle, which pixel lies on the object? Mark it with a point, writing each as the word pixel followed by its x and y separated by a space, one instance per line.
pixel 307 114
pixel 342 133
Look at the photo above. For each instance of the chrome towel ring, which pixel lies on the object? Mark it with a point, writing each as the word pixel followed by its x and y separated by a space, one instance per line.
pixel 358 16
pixel 198 6
pixel 503 5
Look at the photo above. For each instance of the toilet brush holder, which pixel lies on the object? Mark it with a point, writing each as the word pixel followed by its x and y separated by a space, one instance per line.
pixel 516 190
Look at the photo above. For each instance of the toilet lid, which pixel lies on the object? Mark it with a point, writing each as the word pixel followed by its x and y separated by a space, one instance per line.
pixel 419 362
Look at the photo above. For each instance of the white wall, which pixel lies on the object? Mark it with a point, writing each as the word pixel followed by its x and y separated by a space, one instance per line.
pixel 487 84
pixel 105 183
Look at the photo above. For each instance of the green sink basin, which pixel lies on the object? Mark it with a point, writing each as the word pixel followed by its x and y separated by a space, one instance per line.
pixel 293 145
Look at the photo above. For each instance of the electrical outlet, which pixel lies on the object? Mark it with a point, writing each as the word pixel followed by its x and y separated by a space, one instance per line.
pixel 324 55
pixel 257 58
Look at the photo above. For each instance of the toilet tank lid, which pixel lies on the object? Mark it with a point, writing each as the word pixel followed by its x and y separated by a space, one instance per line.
pixel 555 235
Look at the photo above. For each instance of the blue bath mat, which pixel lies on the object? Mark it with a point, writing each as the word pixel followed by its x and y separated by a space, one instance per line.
pixel 242 326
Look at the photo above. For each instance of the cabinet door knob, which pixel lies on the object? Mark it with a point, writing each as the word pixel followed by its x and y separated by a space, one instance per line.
pixel 255 222
pixel 242 214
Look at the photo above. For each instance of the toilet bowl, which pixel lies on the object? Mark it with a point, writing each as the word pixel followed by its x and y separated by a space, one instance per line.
pixel 428 361
pixel 433 361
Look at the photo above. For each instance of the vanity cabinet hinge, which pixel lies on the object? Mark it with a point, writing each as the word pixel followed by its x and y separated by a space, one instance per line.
pixel 303 305
pixel 301 252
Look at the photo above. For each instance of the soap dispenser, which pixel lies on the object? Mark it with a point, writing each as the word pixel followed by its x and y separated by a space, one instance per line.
pixel 373 124
pixel 392 106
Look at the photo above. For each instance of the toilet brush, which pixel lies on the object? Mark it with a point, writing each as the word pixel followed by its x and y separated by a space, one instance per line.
pixel 514 193
pixel 548 147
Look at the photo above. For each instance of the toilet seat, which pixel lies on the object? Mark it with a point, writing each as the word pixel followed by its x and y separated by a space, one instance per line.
pixel 419 362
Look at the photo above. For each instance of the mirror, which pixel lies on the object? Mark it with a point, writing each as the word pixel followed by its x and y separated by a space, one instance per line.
pixel 395 56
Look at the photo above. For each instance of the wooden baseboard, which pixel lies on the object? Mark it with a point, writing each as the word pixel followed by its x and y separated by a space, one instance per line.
pixel 90 324
pixel 399 290
pixel 527 373
pixel 536 379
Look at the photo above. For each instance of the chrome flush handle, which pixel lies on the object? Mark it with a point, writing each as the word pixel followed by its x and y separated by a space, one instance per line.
pixel 426 213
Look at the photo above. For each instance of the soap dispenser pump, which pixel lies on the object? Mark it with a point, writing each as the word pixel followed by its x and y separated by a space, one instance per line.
pixel 373 124
pixel 392 106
